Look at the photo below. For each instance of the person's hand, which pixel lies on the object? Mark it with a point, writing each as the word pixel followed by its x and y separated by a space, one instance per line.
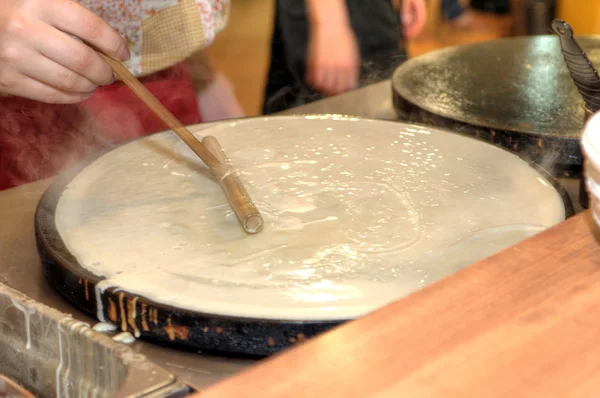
pixel 41 61
pixel 333 62
pixel 414 16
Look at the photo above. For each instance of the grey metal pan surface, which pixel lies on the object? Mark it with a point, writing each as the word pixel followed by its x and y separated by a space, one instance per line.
pixel 516 90
pixel 53 355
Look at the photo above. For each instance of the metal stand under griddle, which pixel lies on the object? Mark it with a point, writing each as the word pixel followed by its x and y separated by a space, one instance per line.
pixel 516 93
pixel 52 355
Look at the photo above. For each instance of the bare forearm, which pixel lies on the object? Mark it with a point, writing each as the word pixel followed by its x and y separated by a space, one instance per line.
pixel 321 12
pixel 333 58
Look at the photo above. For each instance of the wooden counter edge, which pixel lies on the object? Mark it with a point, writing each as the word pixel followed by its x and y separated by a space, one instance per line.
pixel 525 322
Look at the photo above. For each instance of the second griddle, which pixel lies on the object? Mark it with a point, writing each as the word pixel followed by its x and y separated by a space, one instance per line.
pixel 516 92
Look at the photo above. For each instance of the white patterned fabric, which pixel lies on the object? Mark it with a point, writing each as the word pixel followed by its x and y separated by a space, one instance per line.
pixel 162 33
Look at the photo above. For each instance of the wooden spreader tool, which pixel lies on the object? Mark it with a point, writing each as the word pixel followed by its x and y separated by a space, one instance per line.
pixel 209 151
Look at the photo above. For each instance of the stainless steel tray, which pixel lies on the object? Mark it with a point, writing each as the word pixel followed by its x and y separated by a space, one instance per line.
pixel 52 355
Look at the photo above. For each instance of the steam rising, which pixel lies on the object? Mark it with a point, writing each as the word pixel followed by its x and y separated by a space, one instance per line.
pixel 39 140
pixel 546 154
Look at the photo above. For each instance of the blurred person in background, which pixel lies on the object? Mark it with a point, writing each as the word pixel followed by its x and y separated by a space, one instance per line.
pixel 60 101
pixel 328 47
pixel 461 17
pixel 500 7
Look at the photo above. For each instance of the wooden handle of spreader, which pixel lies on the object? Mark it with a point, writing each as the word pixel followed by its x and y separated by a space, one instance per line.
pixel 235 191
pixel 214 158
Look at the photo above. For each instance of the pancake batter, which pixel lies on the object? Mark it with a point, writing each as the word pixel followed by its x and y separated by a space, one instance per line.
pixel 357 214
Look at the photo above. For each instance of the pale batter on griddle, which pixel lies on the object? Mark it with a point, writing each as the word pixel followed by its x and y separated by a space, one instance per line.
pixel 357 213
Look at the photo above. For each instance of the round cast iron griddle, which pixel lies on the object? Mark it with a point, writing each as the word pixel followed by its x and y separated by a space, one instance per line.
pixel 156 322
pixel 164 324
pixel 514 92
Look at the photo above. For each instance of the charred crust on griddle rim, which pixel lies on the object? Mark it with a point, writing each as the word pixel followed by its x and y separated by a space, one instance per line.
pixel 210 333
pixel 85 283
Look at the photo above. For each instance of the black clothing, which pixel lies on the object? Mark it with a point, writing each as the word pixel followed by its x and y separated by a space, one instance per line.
pixel 376 25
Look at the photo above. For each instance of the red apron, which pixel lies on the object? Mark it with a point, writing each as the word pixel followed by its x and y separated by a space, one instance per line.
pixel 39 140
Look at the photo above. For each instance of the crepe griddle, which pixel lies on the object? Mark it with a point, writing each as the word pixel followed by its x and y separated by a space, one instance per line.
pixel 156 322
pixel 163 324
pixel 516 92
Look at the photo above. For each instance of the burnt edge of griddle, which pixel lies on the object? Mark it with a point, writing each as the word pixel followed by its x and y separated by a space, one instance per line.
pixel 226 335
pixel 209 333
pixel 570 157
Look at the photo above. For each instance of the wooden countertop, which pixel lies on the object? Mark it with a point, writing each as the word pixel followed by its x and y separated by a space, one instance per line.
pixel 524 323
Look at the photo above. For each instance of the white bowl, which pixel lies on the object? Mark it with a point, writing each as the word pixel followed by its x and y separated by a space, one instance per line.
pixel 590 145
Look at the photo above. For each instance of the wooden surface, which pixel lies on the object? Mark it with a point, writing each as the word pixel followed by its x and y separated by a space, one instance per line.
pixel 524 323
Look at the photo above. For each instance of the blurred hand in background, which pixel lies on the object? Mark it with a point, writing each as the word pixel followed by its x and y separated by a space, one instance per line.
pixel 333 59
pixel 414 17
